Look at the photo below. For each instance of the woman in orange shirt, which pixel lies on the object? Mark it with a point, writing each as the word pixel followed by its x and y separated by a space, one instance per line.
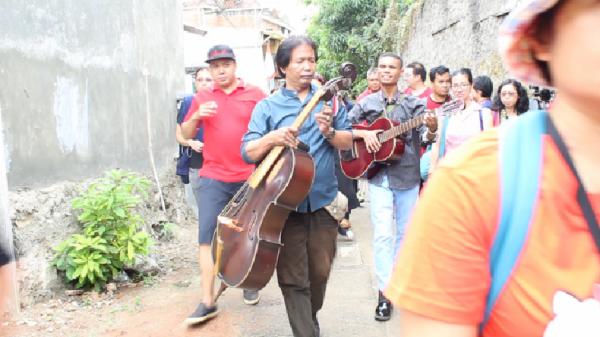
pixel 444 278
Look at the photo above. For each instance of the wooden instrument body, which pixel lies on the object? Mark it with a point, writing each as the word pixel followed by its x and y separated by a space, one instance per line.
pixel 391 150
pixel 252 253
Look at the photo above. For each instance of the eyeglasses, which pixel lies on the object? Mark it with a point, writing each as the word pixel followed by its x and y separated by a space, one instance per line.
pixel 508 94
pixel 461 86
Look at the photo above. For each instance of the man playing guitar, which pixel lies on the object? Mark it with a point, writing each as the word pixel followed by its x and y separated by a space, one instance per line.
pixel 395 188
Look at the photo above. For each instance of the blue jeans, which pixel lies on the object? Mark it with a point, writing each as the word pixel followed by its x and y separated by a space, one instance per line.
pixel 390 211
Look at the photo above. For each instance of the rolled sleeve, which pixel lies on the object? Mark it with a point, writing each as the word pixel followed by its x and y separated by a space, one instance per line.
pixel 257 128
pixel 341 121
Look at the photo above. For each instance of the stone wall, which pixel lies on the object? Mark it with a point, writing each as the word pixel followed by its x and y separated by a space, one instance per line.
pixel 455 33
pixel 86 86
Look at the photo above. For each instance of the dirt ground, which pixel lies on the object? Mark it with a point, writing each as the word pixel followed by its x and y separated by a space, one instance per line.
pixel 156 306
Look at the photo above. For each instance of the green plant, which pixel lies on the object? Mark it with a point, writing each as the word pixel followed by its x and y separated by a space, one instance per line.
pixel 111 230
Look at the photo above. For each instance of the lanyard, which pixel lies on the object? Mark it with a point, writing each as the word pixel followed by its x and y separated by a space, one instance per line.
pixel 582 197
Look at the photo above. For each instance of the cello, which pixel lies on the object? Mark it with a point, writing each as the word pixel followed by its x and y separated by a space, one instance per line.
pixel 247 240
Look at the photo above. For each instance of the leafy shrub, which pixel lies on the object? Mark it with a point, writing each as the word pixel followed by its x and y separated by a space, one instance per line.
pixel 111 231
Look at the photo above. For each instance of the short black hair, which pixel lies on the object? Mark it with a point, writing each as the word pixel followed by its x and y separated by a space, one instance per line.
pixel 284 52
pixel 464 71
pixel 522 102
pixel 485 85
pixel 439 70
pixel 418 69
pixel 390 54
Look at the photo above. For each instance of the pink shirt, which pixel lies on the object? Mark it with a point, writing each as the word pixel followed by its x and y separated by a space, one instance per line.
pixel 466 124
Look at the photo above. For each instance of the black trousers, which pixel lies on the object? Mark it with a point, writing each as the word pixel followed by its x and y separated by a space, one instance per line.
pixel 309 245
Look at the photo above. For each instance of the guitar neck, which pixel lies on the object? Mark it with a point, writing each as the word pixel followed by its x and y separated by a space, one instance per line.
pixel 401 128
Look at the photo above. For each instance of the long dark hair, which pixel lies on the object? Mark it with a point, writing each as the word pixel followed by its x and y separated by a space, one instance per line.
pixel 522 104
pixel 284 53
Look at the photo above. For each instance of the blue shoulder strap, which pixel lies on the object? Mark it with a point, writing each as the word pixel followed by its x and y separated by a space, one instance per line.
pixel 520 149
pixel 442 149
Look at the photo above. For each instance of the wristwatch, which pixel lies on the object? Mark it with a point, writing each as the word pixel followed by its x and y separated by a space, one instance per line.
pixel 330 134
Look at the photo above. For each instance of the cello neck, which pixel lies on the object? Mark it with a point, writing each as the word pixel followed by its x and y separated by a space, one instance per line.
pixel 271 158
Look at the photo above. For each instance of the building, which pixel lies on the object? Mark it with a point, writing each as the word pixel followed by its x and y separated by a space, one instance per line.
pixel 252 29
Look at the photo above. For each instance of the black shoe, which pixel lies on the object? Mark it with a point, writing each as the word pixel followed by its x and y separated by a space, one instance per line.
pixel 383 311
pixel 251 297
pixel 203 313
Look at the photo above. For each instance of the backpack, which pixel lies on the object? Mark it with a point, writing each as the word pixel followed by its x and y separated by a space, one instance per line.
pixel 183 161
pixel 520 152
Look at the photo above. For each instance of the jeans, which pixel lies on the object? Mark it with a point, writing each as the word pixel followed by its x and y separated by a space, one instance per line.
pixel 213 196
pixel 388 204
pixel 305 260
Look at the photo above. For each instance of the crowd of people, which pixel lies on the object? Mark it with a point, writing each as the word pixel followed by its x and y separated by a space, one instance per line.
pixel 485 226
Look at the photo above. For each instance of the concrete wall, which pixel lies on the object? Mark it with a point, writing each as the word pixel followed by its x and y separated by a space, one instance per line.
pixel 457 33
pixel 81 80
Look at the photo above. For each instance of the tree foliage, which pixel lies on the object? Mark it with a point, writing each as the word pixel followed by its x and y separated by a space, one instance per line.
pixel 348 30
pixel 356 31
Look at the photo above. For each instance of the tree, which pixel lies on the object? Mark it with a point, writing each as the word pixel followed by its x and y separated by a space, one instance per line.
pixel 349 30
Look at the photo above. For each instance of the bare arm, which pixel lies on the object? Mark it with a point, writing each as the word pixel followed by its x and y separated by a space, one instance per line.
pixel 195 144
pixel 415 325
pixel 341 140
pixel 179 136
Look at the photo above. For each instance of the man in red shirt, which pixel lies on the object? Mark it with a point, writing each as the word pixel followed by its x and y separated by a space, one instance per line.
pixel 373 84
pixel 224 111
pixel 440 93
pixel 415 75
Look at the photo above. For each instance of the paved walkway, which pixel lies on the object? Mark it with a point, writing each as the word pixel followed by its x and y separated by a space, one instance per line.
pixel 349 305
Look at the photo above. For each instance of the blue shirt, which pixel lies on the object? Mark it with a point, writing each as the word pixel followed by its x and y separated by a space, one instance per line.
pixel 280 110
pixel 183 110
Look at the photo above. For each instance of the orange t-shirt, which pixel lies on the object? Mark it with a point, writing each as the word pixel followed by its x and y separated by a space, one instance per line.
pixel 442 271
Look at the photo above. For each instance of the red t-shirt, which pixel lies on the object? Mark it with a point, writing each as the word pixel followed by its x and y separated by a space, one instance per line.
pixel 425 93
pixel 364 94
pixel 223 132
pixel 442 271
pixel 431 104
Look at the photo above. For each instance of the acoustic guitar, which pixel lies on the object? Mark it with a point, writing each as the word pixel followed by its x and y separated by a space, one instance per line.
pixel 358 161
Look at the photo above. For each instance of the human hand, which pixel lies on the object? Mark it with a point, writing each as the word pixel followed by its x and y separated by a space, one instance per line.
pixel 286 136
pixel 431 122
pixel 324 119
pixel 371 141
pixel 196 145
pixel 206 110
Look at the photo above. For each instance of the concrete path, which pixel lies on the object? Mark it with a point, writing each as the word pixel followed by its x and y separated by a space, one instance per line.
pixel 349 305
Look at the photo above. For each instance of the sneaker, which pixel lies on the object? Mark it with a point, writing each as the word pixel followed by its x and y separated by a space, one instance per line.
pixel 350 234
pixel 203 313
pixel 383 311
pixel 251 297
pixel 345 234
